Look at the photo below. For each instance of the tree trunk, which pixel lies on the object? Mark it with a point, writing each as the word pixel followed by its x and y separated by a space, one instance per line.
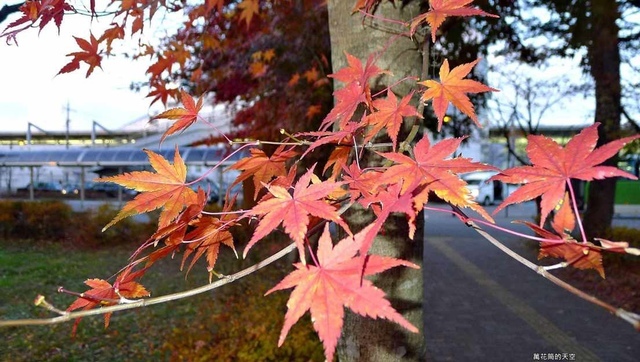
pixel 604 59
pixel 364 339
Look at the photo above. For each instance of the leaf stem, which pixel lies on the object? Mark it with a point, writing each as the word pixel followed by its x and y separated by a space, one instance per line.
pixel 574 204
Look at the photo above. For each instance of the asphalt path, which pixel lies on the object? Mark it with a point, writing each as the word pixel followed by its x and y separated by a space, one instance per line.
pixel 481 305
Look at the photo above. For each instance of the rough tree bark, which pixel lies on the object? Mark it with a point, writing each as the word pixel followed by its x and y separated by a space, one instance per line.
pixel 604 61
pixel 365 339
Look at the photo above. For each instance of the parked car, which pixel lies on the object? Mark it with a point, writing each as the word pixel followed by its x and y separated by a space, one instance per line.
pixel 43 186
pixel 484 192
pixel 110 189
pixel 70 189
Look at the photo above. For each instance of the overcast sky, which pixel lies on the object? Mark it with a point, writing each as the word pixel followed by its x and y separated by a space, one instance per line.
pixel 31 91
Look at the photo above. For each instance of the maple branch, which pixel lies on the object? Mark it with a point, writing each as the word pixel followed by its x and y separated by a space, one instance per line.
pixel 260 142
pixel 66 316
pixel 631 318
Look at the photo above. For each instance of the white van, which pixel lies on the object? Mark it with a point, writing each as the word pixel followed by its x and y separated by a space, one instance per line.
pixel 484 192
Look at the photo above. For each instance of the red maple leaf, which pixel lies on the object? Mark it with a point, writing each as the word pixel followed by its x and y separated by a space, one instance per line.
pixel 389 114
pixel 356 72
pixel 356 91
pixel 452 88
pixel 436 172
pixel 103 293
pixel 391 199
pixel 361 183
pixel 564 221
pixel 293 210
pixel 262 168
pixel 161 93
pixel 439 10
pixel 582 255
pixel 163 63
pixel 347 101
pixel 89 55
pixel 166 188
pixel 554 166
pixel 335 281
pixel 184 116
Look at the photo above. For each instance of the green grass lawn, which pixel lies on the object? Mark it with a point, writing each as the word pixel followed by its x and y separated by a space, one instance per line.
pixel 233 322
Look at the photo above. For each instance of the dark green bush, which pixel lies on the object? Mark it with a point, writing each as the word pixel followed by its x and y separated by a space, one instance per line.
pixel 55 221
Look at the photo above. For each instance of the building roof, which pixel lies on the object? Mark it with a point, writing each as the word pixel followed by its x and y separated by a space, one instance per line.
pixel 121 156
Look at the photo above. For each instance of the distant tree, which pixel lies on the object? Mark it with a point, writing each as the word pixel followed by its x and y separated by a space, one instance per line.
pixel 7 10
pixel 600 32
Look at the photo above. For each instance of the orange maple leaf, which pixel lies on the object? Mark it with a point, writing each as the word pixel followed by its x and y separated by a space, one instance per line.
pixel 111 34
pixel 258 69
pixel 173 233
pixel 218 4
pixel 166 188
pixel 389 114
pixel 89 55
pixel 205 239
pixel 293 210
pixel 452 89
pixel 206 236
pixel 554 166
pixel 184 116
pixel 335 281
pixel 439 10
pixel 248 8
pixel 338 159
pixel 261 167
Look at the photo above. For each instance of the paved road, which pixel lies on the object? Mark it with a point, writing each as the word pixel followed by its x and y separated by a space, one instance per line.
pixel 483 306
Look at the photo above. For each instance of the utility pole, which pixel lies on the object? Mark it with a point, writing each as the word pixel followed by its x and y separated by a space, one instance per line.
pixel 68 122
